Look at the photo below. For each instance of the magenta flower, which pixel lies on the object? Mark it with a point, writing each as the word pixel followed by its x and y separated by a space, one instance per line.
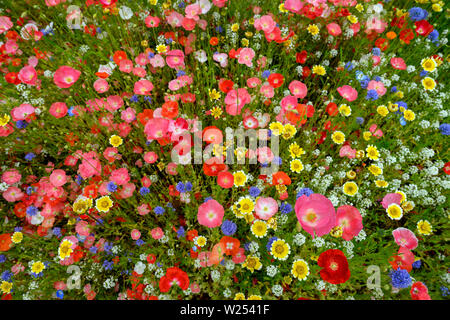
pixel 316 214
pixel 405 238
pixel 348 93
pixel 66 76
pixel 210 214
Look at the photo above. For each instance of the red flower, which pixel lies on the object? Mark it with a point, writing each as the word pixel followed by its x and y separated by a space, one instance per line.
pixel 419 291
pixel 335 266
pixel 447 168
pixel 406 35
pixel 276 80
pixel 423 27
pixel 225 85
pixel 300 57
pixel 173 276
pixel 332 109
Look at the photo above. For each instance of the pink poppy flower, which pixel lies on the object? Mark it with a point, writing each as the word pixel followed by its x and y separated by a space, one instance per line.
pixel 90 166
pixel 127 190
pixel 13 194
pixel 188 24
pixel 253 82
pixel 267 24
pixel 405 238
pixel 157 61
pixel 5 24
pixel 265 208
pixel 348 93
pixel 101 85
pixel 175 59
pixel 11 47
pixel 298 89
pixel 391 198
pixel 246 56
pixel 142 59
pixel 205 259
pixel 192 11
pixel 376 133
pixel 293 5
pixel 120 176
pixel 66 76
pixel 139 72
pixel 222 58
pixel 235 100
pixel 150 157
pixel 143 87
pixel 225 179
pixel 135 234
pixel 143 209
pixel 376 60
pixel 210 214
pixel 398 63
pixel 350 220
pixel 11 176
pixel 58 109
pixel 82 228
pixel 265 155
pixel 22 112
pixel 378 86
pixel 128 115
pixel 156 128
pixel 114 103
pixel 28 75
pixel 126 65
pixel 316 214
pixel 58 178
pixel 152 22
pixel 219 3
pixel 334 29
pixel 347 151
pixel 157 233
pixel 267 91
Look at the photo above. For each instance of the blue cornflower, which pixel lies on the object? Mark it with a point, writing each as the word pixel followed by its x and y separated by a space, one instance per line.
pixel 277 160
pixel 188 186
pixel 228 227
pixel 151 55
pixel 180 232
pixel 108 247
pixel 417 264
pixel 254 191
pixel 93 249
pixel 445 291
pixel 18 229
pixel 364 83
pixel 416 14
pixel 32 210
pixel 108 265
pixel 99 30
pixel 148 99
pixel 219 29
pixel 56 231
pixel 181 4
pixel 144 190
pixel 70 112
pixel 159 210
pixel 207 199
pixel 400 278
pixel 134 98
pixel 180 187
pixel 247 246
pixel 29 156
pixel 434 35
pixel 79 179
pixel 266 74
pixel 377 78
pixel 445 129
pixel 169 41
pixel 372 95
pixel 2 258
pixel 139 242
pixel 269 244
pixel 359 75
pixel 7 275
pixel 423 73
pixel 60 294
pixel 402 121
pixel 21 124
pixel 30 190
pixel 359 120
pixel 376 51
pixel 181 73
pixel 111 186
pixel 349 66
pixel 304 191
pixel 285 208
pixel 394 89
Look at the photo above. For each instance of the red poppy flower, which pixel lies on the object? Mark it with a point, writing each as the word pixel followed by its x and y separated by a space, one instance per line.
pixel 231 245
pixel 12 77
pixel 145 115
pixel 191 235
pixel 225 85
pixel 170 109
pixel 173 276
pixel 212 169
pixel 300 57
pixel 276 80
pixel 5 242
pixel 447 168
pixel 423 27
pixel 332 109
pixel 406 35
pixel 119 56
pixel 419 291
pixel 281 178
pixel 335 266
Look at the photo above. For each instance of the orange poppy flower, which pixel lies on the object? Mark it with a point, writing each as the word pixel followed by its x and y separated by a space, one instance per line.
pixel 119 56
pixel 5 242
pixel 170 109
pixel 231 245
pixel 214 41
pixel 280 178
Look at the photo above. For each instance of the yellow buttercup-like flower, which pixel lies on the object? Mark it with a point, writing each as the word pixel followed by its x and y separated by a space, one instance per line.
pixel 4 120
pixel 296 166
pixel 65 249
pixel 428 83
pixel 313 29
pixel 429 64
pixel 240 178
pixel 319 70
pixel 246 205
pixel 6 287
pixel 372 152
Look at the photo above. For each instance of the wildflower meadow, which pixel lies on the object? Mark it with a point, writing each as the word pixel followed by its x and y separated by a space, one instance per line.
pixel 224 149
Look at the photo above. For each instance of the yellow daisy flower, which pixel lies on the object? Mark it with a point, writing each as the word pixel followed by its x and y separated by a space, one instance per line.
pixel 394 211
pixel 424 227
pixel 429 64
pixel 246 205
pixel 37 267
pixel 428 83
pixel 252 263
pixel 338 137
pixel 350 188
pixel 296 166
pixel 300 269
pixel 115 140
pixel 17 237
pixel 372 152
pixel 103 204
pixel 280 249
pixel 259 228
pixel 240 178
pixel 6 287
